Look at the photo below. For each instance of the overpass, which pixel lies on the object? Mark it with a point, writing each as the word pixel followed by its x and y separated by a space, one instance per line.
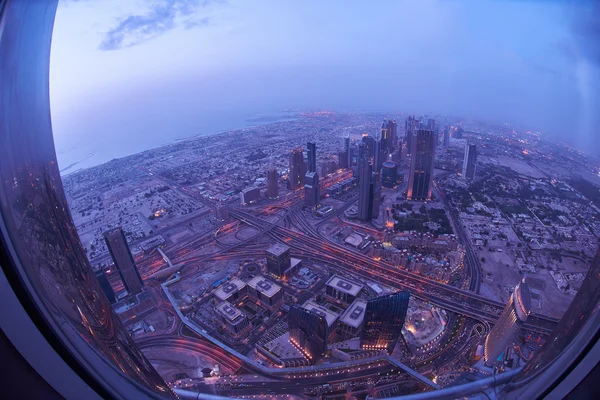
pixel 448 297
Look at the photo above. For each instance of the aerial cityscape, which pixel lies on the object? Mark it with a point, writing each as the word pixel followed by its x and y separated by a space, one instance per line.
pixel 341 254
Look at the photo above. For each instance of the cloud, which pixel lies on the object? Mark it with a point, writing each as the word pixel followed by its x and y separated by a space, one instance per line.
pixel 586 30
pixel 161 17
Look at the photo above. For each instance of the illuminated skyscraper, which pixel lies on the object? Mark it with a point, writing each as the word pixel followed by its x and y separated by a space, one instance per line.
pixel 420 177
pixel 508 325
pixel 385 136
pixel 278 259
pixel 375 195
pixel 470 162
pixel 393 136
pixel 272 187
pixel 105 285
pixel 383 322
pixel 308 332
pixel 123 260
pixel 389 174
pixel 297 169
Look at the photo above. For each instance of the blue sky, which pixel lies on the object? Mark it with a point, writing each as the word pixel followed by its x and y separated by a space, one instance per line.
pixel 167 69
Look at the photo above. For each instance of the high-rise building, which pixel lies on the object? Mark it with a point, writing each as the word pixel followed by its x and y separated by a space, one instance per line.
pixel 278 259
pixel 393 136
pixel 508 325
pixel 365 193
pixel 420 179
pixel 369 142
pixel 446 136
pixel 343 160
pixel 379 154
pixel 375 197
pixel 411 124
pixel 385 136
pixel 297 169
pixel 308 332
pixel 311 153
pixel 123 260
pixel 389 174
pixel 105 285
pixel 312 190
pixel 470 162
pixel 272 186
pixel 383 321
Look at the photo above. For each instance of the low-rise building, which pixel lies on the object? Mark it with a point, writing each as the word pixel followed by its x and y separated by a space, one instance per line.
pixel 342 289
pixel 233 319
pixel 267 292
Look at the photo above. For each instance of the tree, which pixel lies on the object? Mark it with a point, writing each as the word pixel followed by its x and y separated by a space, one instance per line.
pixel 519 244
pixel 483 259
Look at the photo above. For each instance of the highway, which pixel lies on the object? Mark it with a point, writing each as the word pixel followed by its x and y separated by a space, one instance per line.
pixel 451 298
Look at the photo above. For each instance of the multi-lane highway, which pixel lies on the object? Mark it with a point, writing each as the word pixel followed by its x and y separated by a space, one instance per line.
pixel 451 298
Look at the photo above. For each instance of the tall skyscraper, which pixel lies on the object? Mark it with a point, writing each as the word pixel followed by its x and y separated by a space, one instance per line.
pixel 393 136
pixel 123 260
pixel 369 142
pixel 420 177
pixel 379 154
pixel 385 136
pixel 470 162
pixel 343 159
pixel 410 126
pixel 311 153
pixel 297 169
pixel 272 186
pixel 383 322
pixel 446 136
pixel 508 325
pixel 375 195
pixel 308 332
pixel 312 190
pixel 278 259
pixel 105 285
pixel 365 194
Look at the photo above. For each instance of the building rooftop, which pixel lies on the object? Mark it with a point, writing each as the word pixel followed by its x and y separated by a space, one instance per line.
pixel 264 286
pixel 329 315
pixel 227 289
pixel 344 285
pixel 354 315
pixel 278 249
pixel 228 311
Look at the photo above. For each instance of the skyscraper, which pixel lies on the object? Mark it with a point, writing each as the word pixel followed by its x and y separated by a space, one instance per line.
pixel 420 177
pixel 365 172
pixel 393 136
pixel 383 322
pixel 410 126
pixel 272 187
pixel 308 332
pixel 508 325
pixel 123 260
pixel 312 156
pixel 446 136
pixel 312 191
pixel 278 259
pixel 105 285
pixel 385 136
pixel 375 195
pixel 297 169
pixel 379 154
pixel 389 174
pixel 470 162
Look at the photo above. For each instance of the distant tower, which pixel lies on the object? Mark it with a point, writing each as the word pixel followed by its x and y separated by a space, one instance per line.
pixel 278 259
pixel 312 190
pixel 383 322
pixel 312 156
pixel 297 169
pixel 385 136
pixel 308 332
pixel 508 325
pixel 272 187
pixel 123 260
pixel 470 162
pixel 379 154
pixel 105 285
pixel 410 126
pixel 420 177
pixel 446 136
pixel 365 195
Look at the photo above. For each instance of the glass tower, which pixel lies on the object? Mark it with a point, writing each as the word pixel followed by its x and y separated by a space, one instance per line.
pixel 123 260
pixel 308 332
pixel 384 319
pixel 421 165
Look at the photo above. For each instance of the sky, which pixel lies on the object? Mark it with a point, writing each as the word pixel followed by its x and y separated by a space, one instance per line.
pixel 129 75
